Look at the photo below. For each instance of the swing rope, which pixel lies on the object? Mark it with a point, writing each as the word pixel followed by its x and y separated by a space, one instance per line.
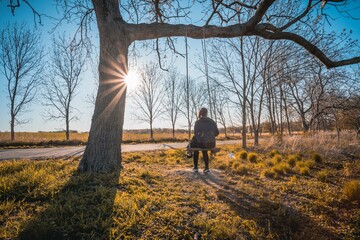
pixel 187 87
pixel 203 44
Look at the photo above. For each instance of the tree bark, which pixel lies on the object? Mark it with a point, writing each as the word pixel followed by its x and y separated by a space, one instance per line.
pixel 151 132
pixel 12 128
pixel 305 125
pixel 103 151
pixel 173 131
pixel 67 128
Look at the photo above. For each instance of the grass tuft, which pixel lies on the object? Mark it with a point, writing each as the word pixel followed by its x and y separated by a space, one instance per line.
pixel 242 155
pixel 351 190
pixel 241 169
pixel 291 160
pixel 269 173
pixel 317 158
pixel 323 175
pixel 276 159
pixel 274 152
pixel 252 157
pixel 282 168
pixel 304 170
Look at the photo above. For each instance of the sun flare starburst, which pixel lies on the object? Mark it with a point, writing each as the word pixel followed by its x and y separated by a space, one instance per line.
pixel 131 79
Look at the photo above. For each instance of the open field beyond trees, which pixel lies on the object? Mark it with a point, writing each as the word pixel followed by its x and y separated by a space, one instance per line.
pixel 298 187
pixel 31 139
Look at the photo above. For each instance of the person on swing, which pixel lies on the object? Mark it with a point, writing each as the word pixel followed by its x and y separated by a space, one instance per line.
pixel 205 131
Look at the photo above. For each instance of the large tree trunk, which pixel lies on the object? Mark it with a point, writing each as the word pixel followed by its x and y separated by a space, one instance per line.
pixel 103 150
pixel 305 125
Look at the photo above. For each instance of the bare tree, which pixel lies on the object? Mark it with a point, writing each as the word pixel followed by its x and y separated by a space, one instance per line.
pixel 194 97
pixel 21 64
pixel 221 104
pixel 172 98
pixel 67 64
pixel 149 95
pixel 120 23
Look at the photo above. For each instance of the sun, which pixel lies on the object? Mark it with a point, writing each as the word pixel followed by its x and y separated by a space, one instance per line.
pixel 131 79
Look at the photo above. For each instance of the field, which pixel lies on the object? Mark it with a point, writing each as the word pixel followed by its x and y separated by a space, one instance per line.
pixel 40 139
pixel 300 187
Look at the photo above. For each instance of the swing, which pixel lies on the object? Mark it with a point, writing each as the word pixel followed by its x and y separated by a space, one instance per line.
pixel 189 149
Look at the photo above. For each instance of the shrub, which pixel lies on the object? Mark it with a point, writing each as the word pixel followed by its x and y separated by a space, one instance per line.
pixel 304 170
pixel 316 157
pixel 242 155
pixel 252 157
pixel 323 175
pixel 351 190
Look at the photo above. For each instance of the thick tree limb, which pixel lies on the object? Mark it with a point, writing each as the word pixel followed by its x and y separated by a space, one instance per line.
pixel 311 48
pixel 267 31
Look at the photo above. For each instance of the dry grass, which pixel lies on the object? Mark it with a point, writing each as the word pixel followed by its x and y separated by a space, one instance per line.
pixel 33 139
pixel 157 196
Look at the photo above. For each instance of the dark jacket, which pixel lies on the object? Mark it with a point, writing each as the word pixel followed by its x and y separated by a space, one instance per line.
pixel 205 130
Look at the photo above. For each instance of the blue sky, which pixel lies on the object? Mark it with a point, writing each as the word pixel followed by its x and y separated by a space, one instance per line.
pixel 37 123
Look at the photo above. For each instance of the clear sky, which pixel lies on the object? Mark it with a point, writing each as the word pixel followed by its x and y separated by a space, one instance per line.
pixel 85 109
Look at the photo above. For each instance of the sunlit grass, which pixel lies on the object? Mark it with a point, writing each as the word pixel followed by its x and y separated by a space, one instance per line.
pixel 157 196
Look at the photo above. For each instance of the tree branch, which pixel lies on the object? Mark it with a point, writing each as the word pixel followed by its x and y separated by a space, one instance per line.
pixel 311 48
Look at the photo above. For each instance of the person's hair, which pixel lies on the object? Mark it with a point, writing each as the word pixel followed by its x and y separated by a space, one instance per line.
pixel 203 112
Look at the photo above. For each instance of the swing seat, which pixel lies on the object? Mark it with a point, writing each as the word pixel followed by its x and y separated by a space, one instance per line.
pixel 189 151
pixel 213 150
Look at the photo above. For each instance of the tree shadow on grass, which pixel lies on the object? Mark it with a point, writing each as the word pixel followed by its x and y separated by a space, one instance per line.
pixel 277 220
pixel 81 210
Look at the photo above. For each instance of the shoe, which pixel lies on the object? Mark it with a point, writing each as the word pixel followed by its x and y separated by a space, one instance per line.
pixel 195 170
pixel 206 170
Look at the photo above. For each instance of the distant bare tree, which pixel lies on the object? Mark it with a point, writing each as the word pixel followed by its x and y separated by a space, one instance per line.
pixel 221 105
pixel 67 64
pixel 21 64
pixel 149 95
pixel 172 98
pixel 194 97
